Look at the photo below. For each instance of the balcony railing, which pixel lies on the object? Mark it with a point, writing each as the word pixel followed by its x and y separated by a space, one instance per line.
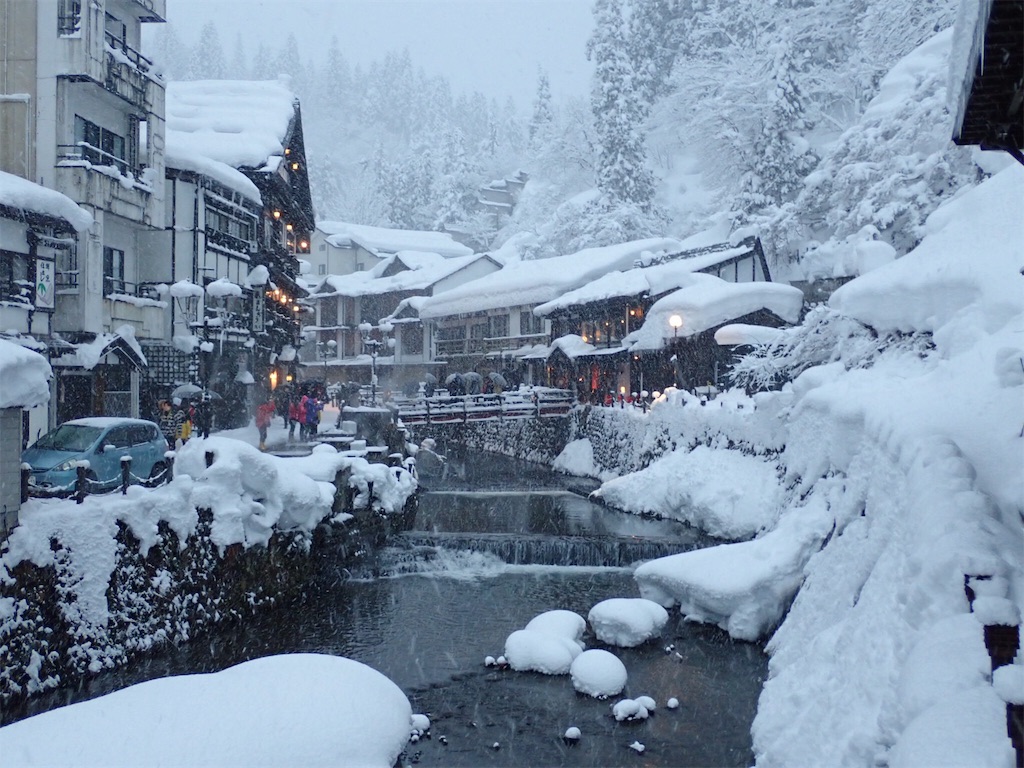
pixel 482 346
pixel 17 292
pixel 84 152
pixel 126 71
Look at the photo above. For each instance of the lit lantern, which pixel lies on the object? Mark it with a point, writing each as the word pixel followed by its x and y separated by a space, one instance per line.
pixel 277 214
pixel 676 322
pixel 289 227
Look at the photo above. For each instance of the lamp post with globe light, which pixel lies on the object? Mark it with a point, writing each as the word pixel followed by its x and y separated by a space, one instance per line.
pixel 373 347
pixel 326 350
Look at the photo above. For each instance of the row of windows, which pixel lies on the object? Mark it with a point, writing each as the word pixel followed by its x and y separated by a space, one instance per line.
pixel 220 220
pixel 104 147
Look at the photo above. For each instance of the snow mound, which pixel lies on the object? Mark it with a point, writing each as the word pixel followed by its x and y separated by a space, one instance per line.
pixel 630 709
pixel 724 492
pixel 26 376
pixel 577 458
pixel 549 643
pixel 627 622
pixel 335 711
pixel 598 673
pixel 744 588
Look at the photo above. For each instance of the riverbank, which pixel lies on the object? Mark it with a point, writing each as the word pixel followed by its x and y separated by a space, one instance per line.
pixel 85 588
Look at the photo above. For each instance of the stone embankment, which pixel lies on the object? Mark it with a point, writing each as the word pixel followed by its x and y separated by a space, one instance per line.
pixel 84 588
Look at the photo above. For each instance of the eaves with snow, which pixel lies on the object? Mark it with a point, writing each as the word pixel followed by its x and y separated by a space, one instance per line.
pixel 215 127
pixel 26 376
pixel 529 283
pixel 23 195
pixel 382 241
pixel 419 272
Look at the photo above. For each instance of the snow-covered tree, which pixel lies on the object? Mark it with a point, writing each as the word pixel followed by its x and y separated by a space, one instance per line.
pixel 541 118
pixel 619 111
pixel 207 58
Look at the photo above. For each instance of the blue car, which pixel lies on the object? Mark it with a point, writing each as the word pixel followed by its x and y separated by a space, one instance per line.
pixel 101 441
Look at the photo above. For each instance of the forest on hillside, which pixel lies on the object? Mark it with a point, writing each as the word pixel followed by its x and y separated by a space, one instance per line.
pixel 734 115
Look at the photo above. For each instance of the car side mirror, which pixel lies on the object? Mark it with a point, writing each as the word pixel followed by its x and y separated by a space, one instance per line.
pixel 107 447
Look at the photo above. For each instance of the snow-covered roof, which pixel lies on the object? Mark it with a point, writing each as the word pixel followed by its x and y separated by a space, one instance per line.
pixel 25 375
pixel 969 260
pixel 642 281
pixel 707 301
pixel 179 155
pixel 242 124
pixel 742 333
pixel 528 283
pixel 572 346
pixel 383 241
pixel 424 269
pixel 16 192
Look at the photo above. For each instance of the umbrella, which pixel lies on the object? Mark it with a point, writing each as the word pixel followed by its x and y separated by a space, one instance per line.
pixel 452 378
pixel 186 390
pixel 430 378
pixel 497 378
pixel 473 381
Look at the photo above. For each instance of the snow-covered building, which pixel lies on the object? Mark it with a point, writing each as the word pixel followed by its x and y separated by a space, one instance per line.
pixel 26 377
pixel 36 225
pixel 340 248
pixel 605 338
pixel 489 324
pixel 238 219
pixel 82 112
pixel 386 297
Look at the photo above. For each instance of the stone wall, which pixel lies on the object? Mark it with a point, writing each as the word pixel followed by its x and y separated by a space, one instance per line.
pixel 539 440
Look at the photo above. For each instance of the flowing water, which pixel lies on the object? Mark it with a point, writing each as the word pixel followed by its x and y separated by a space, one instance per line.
pixel 493 545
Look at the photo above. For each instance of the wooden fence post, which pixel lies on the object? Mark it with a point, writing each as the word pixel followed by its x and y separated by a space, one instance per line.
pixel 126 474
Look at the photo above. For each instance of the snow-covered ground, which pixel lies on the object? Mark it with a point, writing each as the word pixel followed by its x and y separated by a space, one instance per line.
pixel 296 709
pixel 901 475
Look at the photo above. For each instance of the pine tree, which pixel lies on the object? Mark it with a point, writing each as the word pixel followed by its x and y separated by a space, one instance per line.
pixel 238 69
pixel 264 64
pixel 207 60
pixel 619 111
pixel 541 118
pixel 289 62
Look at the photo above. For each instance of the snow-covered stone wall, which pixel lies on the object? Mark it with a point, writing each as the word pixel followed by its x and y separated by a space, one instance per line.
pixel 85 587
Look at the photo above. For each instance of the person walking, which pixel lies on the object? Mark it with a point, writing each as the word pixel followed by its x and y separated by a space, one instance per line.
pixel 168 424
pixel 312 418
pixel 293 417
pixel 264 415
pixel 303 431
pixel 202 417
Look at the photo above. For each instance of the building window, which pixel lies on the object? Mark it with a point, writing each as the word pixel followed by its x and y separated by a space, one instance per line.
pixel 412 339
pixel 98 145
pixel 321 269
pixel 499 326
pixel 529 323
pixel 69 17
pixel 113 270
pixel 15 285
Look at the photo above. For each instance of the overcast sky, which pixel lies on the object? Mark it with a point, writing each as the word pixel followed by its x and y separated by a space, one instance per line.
pixel 492 46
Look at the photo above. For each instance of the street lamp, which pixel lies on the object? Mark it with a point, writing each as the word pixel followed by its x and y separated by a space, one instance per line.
pixel 373 345
pixel 676 322
pixel 326 350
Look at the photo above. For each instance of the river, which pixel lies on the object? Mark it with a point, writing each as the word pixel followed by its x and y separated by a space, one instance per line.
pixel 493 544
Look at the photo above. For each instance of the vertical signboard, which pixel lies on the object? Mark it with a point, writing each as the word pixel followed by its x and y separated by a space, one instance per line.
pixel 44 284
pixel 259 307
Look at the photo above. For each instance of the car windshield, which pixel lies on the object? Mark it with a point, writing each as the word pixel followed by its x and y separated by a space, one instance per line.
pixel 69 437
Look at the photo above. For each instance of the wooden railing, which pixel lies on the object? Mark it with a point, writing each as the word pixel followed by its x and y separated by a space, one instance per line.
pixel 533 403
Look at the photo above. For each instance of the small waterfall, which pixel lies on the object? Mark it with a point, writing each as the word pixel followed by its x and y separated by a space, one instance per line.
pixel 518 549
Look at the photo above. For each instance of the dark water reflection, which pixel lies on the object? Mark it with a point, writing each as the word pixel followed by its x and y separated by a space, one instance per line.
pixel 430 631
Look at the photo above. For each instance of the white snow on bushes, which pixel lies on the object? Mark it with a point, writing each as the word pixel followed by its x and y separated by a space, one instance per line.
pixel 726 493
pixel 26 376
pixel 627 622
pixel 334 711
pixel 598 673
pixel 577 458
pixel 251 494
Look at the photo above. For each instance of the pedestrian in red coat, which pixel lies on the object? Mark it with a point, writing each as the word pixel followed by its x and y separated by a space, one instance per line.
pixel 264 414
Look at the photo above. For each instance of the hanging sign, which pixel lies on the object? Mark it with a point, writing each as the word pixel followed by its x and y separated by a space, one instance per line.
pixel 259 308
pixel 44 284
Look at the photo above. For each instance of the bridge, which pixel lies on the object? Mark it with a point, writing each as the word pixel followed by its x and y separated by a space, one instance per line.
pixel 533 403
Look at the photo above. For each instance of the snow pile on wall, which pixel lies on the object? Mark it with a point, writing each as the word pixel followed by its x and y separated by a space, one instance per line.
pixel 726 493
pixel 108 609
pixel 336 711
pixel 26 376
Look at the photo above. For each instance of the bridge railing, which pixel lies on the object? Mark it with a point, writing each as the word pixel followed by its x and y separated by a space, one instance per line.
pixel 535 403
